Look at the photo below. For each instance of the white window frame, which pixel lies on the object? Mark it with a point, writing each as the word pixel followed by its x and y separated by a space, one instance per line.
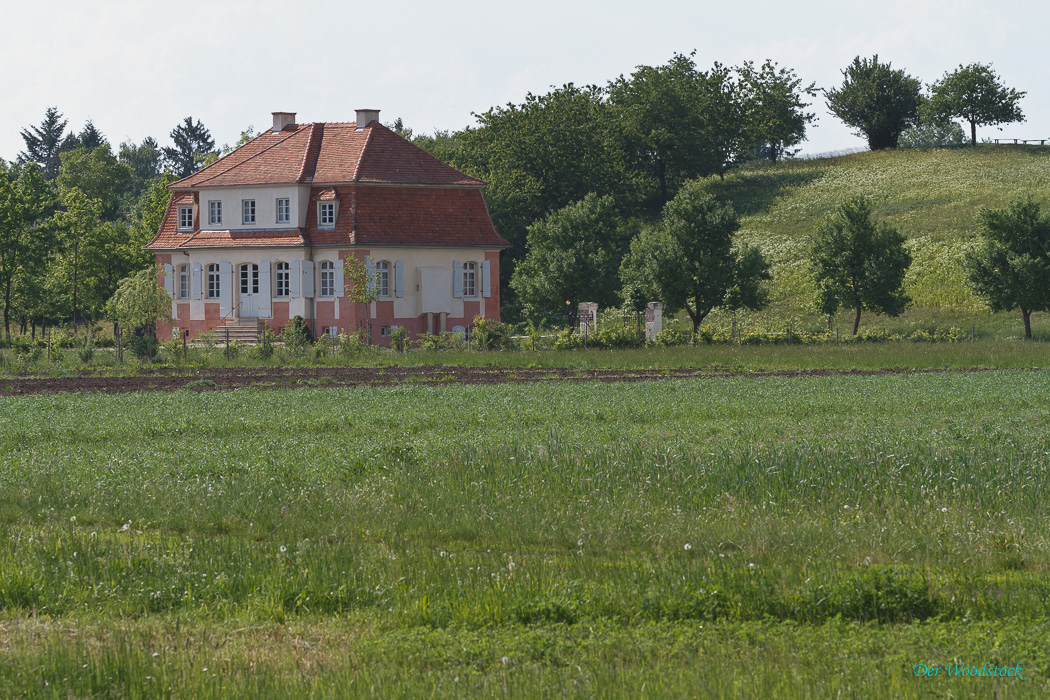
pixel 382 274
pixel 214 281
pixel 183 277
pixel 470 278
pixel 248 212
pixel 326 214
pixel 284 210
pixel 328 278
pixel 185 218
pixel 283 281
pixel 215 212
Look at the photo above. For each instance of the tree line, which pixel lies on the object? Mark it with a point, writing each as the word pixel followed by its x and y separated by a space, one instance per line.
pixel 74 215
pixel 581 178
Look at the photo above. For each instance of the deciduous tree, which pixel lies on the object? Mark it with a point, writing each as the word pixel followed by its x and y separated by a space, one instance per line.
pixel 691 261
pixel 1010 268
pixel 859 264
pixel 975 94
pixel 876 100
pixel 26 202
pixel 573 256
pixel 774 106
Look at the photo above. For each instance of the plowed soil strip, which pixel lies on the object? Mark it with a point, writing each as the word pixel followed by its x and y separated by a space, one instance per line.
pixel 292 377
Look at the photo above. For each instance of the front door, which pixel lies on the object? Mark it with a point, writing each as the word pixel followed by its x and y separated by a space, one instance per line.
pixel 249 301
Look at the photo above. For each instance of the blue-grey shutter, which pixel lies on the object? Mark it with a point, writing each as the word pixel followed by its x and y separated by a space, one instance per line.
pixel 195 282
pixel 370 277
pixel 339 279
pixel 265 305
pixel 308 279
pixel 486 283
pixel 225 289
pixel 169 279
pixel 457 278
pixel 294 272
pixel 399 278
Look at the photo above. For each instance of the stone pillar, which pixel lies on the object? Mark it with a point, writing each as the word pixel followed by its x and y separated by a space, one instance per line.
pixel 654 319
pixel 588 317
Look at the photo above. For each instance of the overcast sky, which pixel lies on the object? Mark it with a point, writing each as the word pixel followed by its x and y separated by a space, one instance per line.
pixel 137 68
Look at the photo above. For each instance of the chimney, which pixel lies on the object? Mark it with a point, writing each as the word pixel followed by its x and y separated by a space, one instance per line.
pixel 365 117
pixel 282 119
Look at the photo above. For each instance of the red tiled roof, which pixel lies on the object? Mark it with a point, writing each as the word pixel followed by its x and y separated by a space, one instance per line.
pixel 168 236
pixel 232 239
pixel 334 153
pixel 408 216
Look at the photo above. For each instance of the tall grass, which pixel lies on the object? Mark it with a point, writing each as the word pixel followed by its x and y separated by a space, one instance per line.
pixel 454 526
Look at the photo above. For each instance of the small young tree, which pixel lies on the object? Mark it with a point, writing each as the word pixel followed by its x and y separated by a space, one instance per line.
pixel 1010 269
pixel 690 262
pixel 974 94
pixel 859 264
pixel 876 100
pixel 140 302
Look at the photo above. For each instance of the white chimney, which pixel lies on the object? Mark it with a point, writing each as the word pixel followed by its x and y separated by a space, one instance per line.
pixel 282 119
pixel 365 116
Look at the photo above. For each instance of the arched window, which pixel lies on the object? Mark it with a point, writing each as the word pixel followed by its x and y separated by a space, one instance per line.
pixel 470 275
pixel 213 281
pixel 383 278
pixel 284 280
pixel 328 279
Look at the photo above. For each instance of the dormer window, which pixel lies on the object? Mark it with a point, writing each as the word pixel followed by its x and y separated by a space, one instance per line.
pixel 326 214
pixel 215 212
pixel 186 218
pixel 248 209
pixel 284 210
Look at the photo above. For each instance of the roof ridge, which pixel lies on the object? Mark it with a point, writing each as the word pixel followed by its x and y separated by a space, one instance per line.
pixel 313 150
pixel 239 164
pixel 361 157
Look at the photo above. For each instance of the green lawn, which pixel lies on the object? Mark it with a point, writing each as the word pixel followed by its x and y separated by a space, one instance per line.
pixel 720 537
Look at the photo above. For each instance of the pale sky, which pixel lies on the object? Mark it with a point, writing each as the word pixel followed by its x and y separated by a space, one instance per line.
pixel 138 68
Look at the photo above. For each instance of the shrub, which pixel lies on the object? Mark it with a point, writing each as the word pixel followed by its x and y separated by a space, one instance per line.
pixel 488 334
pixel 399 339
pixel 144 347
pixel 297 335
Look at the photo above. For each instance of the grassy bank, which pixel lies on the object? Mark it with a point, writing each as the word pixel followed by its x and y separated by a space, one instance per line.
pixel 794 536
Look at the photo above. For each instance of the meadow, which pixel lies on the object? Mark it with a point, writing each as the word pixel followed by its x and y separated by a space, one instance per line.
pixel 724 537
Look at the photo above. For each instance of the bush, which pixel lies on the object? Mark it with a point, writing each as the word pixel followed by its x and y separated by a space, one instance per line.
pixel 297 335
pixel 144 347
pixel 488 334
pixel 399 339
pixel 352 344
pixel 669 337
pixel 264 350
pixel 442 341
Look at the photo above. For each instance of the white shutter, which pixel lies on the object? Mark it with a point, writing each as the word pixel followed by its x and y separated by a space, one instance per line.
pixel 265 305
pixel 339 279
pixel 399 279
pixel 294 273
pixel 169 279
pixel 457 279
pixel 486 283
pixel 370 277
pixel 196 285
pixel 308 279
pixel 225 289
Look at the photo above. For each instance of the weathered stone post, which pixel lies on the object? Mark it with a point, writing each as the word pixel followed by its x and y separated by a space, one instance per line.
pixel 588 317
pixel 654 319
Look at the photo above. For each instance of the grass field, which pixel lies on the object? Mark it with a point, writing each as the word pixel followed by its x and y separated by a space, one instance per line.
pixel 790 537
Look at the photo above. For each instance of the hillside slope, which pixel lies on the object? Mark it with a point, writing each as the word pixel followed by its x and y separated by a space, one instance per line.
pixel 932 196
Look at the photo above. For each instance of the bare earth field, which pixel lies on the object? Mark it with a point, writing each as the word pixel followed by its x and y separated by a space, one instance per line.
pixel 218 379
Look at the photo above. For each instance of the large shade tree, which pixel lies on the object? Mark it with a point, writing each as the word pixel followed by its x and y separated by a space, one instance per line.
pixel 975 94
pixel 876 100
pixel 774 106
pixel 26 202
pixel 691 260
pixel 193 146
pixel 1010 268
pixel 573 256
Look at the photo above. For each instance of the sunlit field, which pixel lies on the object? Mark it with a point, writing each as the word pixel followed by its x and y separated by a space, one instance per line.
pixel 755 537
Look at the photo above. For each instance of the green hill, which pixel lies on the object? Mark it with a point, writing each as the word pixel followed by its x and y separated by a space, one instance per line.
pixel 932 196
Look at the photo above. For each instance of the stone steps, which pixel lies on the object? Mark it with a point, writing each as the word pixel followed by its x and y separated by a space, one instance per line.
pixel 246 331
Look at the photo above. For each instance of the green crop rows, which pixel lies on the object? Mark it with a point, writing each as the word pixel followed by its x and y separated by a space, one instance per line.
pixel 720 537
